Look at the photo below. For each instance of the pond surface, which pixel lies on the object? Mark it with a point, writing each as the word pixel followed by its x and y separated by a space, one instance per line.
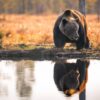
pixel 48 80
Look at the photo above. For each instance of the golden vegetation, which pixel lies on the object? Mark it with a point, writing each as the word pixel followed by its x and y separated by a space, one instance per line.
pixel 37 30
pixel 93 31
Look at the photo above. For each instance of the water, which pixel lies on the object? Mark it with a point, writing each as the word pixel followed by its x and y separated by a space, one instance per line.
pixel 37 80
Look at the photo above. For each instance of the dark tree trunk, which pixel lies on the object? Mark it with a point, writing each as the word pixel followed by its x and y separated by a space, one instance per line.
pixel 82 4
pixel 98 16
pixel 82 96
pixel 98 10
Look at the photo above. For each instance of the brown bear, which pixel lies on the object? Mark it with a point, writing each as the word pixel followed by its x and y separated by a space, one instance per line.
pixel 71 27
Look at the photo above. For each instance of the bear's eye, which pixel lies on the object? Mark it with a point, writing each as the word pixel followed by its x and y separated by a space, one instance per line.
pixel 64 21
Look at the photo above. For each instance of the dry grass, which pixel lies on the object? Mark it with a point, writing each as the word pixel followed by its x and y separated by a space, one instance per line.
pixel 35 30
pixel 93 31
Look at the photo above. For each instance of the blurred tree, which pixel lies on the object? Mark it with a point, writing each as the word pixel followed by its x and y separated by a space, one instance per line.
pixel 98 9
pixel 70 4
pixel 90 7
pixel 38 6
pixel 29 6
pixel 1 6
pixel 82 6
pixel 41 6
pixel 56 6
pixel 20 6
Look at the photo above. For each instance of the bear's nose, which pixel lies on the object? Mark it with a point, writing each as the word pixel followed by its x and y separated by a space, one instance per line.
pixel 76 36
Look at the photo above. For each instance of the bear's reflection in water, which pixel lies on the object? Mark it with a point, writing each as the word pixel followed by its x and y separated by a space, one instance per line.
pixel 71 77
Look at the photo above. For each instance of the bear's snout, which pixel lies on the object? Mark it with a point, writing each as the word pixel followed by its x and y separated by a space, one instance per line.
pixel 76 36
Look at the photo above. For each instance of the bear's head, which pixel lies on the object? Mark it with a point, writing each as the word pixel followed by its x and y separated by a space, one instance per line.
pixel 69 26
pixel 70 82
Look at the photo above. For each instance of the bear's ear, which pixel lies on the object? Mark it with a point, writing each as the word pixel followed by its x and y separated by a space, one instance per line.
pixel 68 13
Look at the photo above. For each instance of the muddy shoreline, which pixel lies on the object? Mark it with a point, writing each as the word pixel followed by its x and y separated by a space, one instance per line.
pixel 49 54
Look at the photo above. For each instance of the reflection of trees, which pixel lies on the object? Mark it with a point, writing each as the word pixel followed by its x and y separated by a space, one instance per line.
pixel 3 90
pixel 25 77
pixel 7 77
